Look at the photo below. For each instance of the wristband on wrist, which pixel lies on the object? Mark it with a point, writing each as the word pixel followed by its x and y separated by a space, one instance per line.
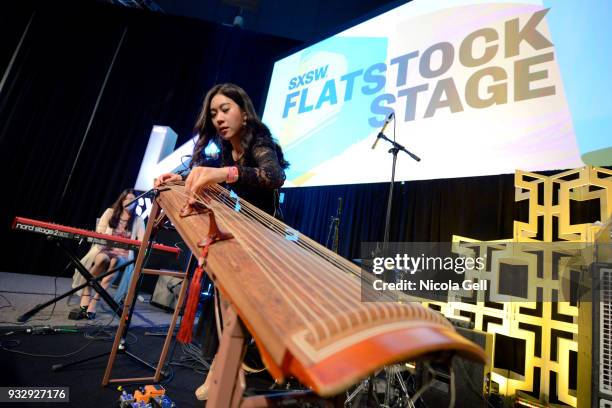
pixel 232 174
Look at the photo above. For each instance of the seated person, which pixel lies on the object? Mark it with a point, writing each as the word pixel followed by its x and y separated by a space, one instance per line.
pixel 119 220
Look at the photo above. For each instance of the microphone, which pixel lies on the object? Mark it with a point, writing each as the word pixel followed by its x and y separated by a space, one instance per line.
pixel 383 129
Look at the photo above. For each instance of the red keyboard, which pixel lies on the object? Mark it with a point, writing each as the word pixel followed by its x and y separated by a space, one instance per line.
pixel 62 231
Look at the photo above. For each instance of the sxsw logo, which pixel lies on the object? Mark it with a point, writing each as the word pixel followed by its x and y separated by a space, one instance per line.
pixel 160 157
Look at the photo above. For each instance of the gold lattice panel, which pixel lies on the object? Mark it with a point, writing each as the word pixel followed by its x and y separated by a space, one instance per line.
pixel 550 197
pixel 548 328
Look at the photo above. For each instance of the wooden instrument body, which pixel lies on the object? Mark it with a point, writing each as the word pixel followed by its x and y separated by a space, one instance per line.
pixel 305 311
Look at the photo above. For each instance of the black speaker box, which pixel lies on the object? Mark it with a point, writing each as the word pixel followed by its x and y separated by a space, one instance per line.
pixel 166 292
pixel 472 380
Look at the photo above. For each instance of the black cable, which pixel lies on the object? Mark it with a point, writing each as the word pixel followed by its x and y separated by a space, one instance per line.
pixel 192 359
pixel 9 304
pixel 2 346
pixel 54 295
pixel 170 376
pixel 92 338
pixel 55 289
pixel 110 336
pixel 25 293
pixel 52 309
pixel 184 164
pixel 54 303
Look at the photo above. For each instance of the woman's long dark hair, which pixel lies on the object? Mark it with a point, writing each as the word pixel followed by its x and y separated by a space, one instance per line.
pixel 118 209
pixel 255 130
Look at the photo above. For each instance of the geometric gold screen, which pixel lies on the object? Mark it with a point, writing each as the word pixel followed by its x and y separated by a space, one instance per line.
pixel 545 335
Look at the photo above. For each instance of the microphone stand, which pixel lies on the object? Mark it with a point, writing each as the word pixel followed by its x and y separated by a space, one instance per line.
pixel 152 192
pixel 395 149
pixel 392 373
pixel 334 224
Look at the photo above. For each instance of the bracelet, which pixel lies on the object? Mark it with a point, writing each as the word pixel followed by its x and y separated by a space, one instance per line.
pixel 232 174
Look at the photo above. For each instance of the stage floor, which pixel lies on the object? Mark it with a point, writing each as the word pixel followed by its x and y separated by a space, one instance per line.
pixel 20 293
pixel 27 358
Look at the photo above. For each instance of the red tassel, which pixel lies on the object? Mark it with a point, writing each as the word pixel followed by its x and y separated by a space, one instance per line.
pixel 186 331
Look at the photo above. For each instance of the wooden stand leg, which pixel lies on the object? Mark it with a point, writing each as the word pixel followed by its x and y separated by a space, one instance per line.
pixel 131 292
pixel 226 389
pixel 177 310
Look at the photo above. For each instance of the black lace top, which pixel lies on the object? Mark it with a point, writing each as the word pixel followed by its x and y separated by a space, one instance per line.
pixel 260 175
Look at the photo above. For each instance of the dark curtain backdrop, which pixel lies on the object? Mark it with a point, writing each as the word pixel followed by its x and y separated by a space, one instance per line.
pixel 429 210
pixel 482 208
pixel 163 67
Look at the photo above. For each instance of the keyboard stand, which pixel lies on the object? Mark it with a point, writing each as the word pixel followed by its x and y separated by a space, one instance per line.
pixel 91 281
pixel 122 346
